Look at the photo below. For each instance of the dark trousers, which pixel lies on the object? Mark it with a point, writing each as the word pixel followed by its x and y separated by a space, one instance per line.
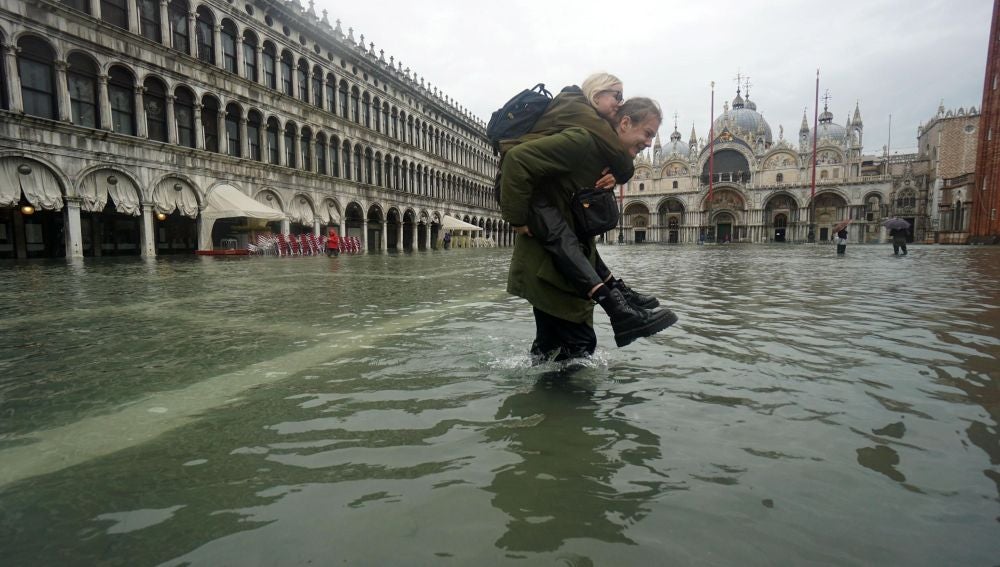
pixel 841 249
pixel 570 255
pixel 899 243
pixel 558 339
pixel 333 252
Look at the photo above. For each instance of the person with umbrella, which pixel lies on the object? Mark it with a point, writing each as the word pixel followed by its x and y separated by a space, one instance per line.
pixel 897 231
pixel 841 231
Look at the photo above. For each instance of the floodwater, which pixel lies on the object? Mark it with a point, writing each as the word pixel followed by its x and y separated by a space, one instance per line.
pixel 381 410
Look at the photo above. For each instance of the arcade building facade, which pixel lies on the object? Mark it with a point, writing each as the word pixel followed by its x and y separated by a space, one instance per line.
pixel 120 118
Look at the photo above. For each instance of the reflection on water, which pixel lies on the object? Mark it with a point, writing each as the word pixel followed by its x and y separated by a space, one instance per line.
pixel 381 410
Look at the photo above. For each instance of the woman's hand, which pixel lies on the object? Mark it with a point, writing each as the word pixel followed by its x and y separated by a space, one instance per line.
pixel 607 181
pixel 523 230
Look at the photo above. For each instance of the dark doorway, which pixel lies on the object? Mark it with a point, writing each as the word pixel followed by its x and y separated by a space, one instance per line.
pixel 723 232
pixel 640 236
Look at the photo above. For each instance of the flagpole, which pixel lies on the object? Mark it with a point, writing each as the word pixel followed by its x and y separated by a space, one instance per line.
pixel 711 146
pixel 812 194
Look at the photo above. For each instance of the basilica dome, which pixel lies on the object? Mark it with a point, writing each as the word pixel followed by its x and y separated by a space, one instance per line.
pixel 675 146
pixel 744 121
pixel 828 130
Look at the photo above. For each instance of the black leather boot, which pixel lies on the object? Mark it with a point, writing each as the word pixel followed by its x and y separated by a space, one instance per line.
pixel 628 322
pixel 635 298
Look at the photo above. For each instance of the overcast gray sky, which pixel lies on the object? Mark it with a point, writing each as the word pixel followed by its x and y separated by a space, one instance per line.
pixel 899 57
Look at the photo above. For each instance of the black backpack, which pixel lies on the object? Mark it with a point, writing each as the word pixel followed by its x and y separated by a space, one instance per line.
pixel 514 119
pixel 517 116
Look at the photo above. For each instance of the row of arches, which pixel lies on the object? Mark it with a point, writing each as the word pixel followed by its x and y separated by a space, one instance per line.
pixel 176 116
pixel 221 41
pixel 109 211
pixel 728 216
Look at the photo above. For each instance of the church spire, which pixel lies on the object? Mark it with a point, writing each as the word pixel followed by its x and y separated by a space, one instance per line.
pixel 857 114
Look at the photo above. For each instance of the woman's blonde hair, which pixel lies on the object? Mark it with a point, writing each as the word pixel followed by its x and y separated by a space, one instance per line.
pixel 597 83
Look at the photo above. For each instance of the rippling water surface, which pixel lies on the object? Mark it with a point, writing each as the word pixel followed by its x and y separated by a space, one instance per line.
pixel 381 410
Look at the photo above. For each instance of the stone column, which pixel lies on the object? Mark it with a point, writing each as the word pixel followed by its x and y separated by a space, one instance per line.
pixel 385 233
pixel 148 238
pixel 297 151
pixel 364 236
pixel 133 17
pixel 199 132
pixel 281 146
pixel 104 102
pixel 223 136
pixel 192 34
pixel 164 23
pixel 285 226
pixel 62 92
pixel 316 227
pixel 73 232
pixel 217 43
pixel 244 140
pixel 399 237
pixel 95 9
pixel 171 120
pixel 141 128
pixel 295 78
pixel 239 55
pixel 260 64
pixel 13 83
pixel 414 244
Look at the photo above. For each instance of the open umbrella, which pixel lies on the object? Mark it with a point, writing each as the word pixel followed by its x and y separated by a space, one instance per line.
pixel 841 225
pixel 896 223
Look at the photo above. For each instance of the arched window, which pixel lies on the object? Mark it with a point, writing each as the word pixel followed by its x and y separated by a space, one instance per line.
pixel 121 93
pixel 317 86
pixel 149 19
pixel 302 77
pixel 321 153
pixel 780 178
pixel 409 130
pixel 268 56
pixel 290 132
pixel 395 123
pixel 154 103
pixel 673 185
pixel 35 65
pixel 402 127
pixel 357 162
pixel 184 115
pixel 115 12
pixel 331 89
pixel 210 110
pixel 385 119
pixel 204 22
pixel 368 166
pixel 229 46
pixel 377 163
pixel 178 10
pixel 335 156
pixel 273 155
pixel 366 102
pixel 413 175
pixel 959 217
pixel 81 77
pixel 285 69
pixel 388 172
pixel 824 174
pixel 396 183
pixel 346 155
pixel 233 116
pixel 376 114
pixel 355 106
pixel 250 56
pixel 343 98
pixel 253 134
pixel 306 146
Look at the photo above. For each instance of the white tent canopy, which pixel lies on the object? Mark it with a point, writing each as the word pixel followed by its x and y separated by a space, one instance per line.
pixel 452 223
pixel 227 201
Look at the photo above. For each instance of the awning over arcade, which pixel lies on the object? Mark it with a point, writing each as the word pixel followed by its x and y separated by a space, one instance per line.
pixel 452 223
pixel 226 201
pixel 40 187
